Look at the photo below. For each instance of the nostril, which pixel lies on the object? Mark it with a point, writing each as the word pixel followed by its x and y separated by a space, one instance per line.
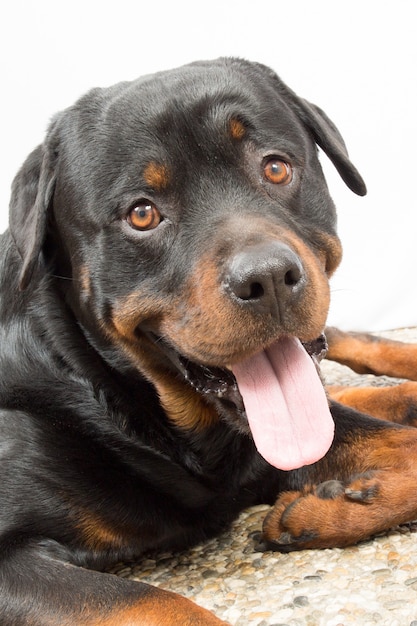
pixel 256 291
pixel 292 277
pixel 246 288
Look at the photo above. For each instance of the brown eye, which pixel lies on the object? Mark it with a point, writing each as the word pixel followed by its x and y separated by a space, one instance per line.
pixel 277 171
pixel 144 216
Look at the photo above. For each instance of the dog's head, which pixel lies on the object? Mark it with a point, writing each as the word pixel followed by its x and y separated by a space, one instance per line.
pixel 189 212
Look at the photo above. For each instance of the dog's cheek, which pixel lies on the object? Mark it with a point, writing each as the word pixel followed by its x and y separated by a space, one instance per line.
pixel 134 309
pixel 311 314
pixel 330 251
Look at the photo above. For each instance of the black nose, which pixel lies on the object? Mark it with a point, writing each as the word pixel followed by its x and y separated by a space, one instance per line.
pixel 266 277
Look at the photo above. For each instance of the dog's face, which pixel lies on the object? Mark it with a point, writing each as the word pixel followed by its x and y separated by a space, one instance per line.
pixel 190 212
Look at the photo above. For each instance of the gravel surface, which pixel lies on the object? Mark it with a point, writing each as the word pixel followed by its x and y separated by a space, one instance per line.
pixel 372 583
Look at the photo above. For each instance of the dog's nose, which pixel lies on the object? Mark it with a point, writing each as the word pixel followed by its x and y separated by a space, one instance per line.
pixel 266 277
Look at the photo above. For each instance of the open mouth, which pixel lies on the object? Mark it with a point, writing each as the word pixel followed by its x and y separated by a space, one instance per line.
pixel 275 395
pixel 222 383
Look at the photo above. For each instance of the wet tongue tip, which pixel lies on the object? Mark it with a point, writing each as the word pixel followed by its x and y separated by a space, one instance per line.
pixel 286 405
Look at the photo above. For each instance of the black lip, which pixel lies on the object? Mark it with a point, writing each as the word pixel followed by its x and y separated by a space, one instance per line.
pixel 206 380
pixel 317 348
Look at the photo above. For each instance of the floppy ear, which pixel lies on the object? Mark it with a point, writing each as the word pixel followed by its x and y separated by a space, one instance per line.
pixel 32 191
pixel 331 142
pixel 323 130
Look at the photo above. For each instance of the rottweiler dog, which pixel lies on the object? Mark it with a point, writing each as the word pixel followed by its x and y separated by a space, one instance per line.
pixel 164 290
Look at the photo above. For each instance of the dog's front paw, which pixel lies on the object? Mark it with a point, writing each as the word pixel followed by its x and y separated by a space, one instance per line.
pixel 326 515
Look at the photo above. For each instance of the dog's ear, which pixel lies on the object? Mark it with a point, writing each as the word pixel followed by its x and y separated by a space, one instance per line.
pixel 331 142
pixel 32 192
pixel 323 130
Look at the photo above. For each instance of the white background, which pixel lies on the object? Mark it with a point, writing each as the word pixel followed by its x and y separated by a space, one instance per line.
pixel 356 59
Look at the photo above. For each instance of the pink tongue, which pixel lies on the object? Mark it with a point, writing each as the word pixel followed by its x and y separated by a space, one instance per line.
pixel 285 404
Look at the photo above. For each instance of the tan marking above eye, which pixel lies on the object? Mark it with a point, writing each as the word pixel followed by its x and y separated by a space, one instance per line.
pixel 144 216
pixel 277 171
pixel 157 176
pixel 237 129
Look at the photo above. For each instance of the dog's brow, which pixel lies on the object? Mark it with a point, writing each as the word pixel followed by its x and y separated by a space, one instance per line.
pixel 237 129
pixel 157 175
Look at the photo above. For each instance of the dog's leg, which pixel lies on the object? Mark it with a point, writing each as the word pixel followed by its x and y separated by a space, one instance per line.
pixel 368 354
pixel 396 404
pixel 366 484
pixel 38 588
